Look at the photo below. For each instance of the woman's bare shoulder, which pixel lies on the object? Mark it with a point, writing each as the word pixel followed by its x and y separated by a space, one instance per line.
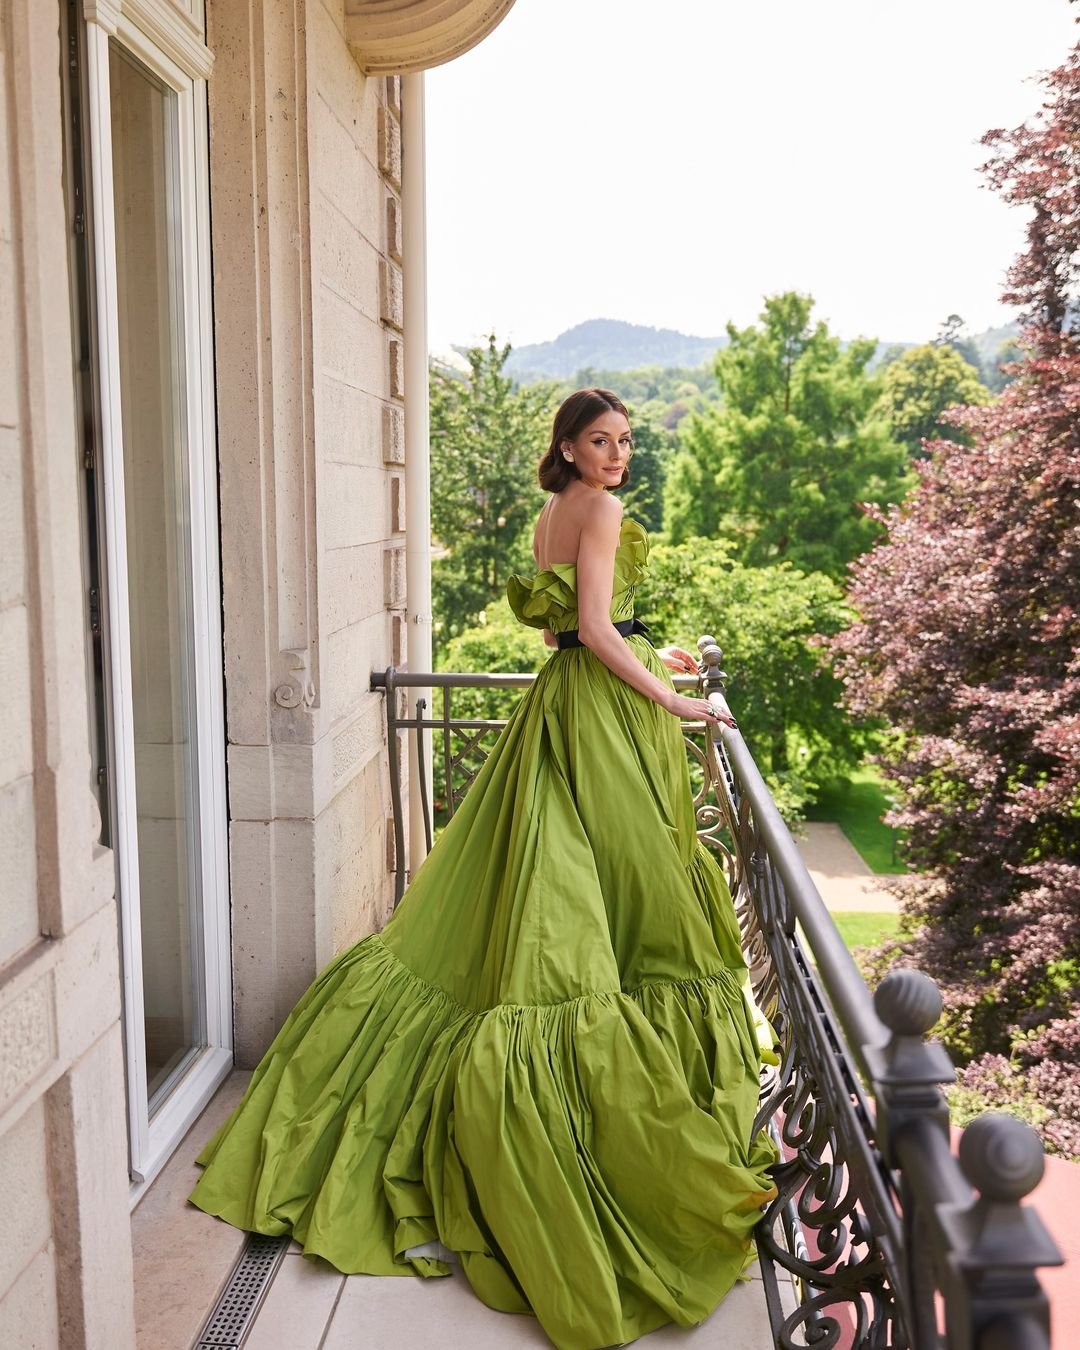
pixel 604 510
pixel 601 525
pixel 579 516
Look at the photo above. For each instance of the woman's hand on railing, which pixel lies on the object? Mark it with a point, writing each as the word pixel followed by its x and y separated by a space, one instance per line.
pixel 698 709
pixel 679 660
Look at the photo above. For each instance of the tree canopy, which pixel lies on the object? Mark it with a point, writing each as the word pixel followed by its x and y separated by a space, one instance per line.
pixel 917 388
pixel 783 465
pixel 969 645
pixel 487 436
pixel 766 620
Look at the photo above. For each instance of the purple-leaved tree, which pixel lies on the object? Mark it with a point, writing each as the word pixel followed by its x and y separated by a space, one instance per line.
pixel 968 645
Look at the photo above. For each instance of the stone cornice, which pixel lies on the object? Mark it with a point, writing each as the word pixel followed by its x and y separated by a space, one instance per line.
pixel 389 37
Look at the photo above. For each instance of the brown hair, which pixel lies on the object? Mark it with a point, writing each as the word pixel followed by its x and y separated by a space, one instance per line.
pixel 574 415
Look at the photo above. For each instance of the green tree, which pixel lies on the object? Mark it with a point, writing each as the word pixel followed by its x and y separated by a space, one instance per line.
pixel 767 621
pixel 888 355
pixel 783 465
pixel 917 388
pixel 487 436
pixel 497 643
pixel 643 497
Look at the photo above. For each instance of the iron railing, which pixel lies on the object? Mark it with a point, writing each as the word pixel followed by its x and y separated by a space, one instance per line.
pixel 876 1222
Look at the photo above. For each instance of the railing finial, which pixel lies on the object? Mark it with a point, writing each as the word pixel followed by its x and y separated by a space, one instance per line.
pixel 713 678
pixel 908 1071
pixel 908 1002
pixel 1002 1157
pixel 1003 1160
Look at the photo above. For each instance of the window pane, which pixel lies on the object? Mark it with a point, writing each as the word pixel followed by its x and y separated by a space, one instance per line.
pixel 152 364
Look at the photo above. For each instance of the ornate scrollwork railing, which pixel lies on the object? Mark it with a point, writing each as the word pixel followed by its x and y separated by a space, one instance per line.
pixel 876 1222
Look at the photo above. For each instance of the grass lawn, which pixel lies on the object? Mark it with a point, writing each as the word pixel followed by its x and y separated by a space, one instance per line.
pixel 865 930
pixel 857 804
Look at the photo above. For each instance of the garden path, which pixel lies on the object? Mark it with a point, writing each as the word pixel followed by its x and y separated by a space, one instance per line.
pixel 838 871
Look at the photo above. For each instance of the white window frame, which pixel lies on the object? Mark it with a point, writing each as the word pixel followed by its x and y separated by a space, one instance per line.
pixel 156 34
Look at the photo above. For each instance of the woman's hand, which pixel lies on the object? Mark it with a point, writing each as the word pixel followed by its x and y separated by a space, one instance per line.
pixel 697 709
pixel 679 660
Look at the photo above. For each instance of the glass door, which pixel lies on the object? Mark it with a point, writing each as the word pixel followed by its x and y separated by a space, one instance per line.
pixel 160 631
pixel 146 311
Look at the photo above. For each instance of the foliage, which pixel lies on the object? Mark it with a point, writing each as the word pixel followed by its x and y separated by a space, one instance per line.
pixel 660 395
pixel 1046 1096
pixel 647 384
pixel 1035 166
pixel 969 645
pixel 797 444
pixel 887 355
pixel 498 643
pixel 782 690
pixel 643 497
pixel 1002 368
pixel 486 439
pixel 918 387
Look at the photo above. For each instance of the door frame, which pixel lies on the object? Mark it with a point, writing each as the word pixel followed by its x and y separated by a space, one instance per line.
pixel 151 31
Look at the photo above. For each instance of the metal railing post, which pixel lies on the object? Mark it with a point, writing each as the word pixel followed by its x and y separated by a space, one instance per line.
pixel 997 1244
pixel 907 1074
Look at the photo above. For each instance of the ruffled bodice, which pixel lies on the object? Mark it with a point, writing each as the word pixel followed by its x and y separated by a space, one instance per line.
pixel 548 598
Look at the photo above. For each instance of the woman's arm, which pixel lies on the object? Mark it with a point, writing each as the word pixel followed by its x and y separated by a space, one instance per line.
pixel 595 580
pixel 549 638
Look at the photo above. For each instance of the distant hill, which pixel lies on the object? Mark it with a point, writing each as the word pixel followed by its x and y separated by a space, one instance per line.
pixel 989 344
pixel 613 345
pixel 609 344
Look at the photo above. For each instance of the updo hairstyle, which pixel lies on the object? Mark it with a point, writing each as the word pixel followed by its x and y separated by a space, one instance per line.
pixel 575 413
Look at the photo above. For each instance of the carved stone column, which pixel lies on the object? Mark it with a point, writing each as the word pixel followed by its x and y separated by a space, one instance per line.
pixel 305 173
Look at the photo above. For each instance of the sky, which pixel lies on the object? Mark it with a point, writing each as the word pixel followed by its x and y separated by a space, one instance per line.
pixel 672 164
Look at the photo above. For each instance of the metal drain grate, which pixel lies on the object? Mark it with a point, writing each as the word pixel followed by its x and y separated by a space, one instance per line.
pixel 232 1316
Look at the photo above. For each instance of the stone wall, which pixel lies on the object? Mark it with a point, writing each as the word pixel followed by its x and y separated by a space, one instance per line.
pixel 65 1258
pixel 305 179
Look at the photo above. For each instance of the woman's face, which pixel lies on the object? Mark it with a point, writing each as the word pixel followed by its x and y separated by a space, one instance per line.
pixel 601 450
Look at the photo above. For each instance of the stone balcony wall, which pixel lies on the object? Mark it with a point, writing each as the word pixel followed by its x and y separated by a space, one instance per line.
pixel 305 181
pixel 65 1258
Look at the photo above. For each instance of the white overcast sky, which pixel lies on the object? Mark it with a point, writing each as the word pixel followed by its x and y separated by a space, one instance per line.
pixel 670 164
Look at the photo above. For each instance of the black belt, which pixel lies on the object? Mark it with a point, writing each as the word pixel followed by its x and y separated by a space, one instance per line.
pixel 624 627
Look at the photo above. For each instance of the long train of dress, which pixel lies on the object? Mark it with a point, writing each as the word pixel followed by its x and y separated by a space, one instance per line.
pixel 548 1060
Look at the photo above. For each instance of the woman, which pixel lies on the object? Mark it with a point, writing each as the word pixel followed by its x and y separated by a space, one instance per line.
pixel 547 1061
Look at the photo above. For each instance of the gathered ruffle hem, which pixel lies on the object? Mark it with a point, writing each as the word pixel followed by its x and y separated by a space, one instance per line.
pixel 579 1157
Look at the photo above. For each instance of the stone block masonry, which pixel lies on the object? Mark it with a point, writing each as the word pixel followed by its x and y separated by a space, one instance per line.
pixel 304 627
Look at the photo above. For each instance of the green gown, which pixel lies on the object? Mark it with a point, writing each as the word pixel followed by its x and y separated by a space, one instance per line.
pixel 548 1059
